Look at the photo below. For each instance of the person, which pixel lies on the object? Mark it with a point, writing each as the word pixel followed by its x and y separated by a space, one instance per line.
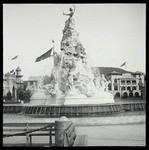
pixel 71 12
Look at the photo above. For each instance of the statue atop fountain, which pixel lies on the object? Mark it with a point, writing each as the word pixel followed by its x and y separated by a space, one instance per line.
pixel 74 79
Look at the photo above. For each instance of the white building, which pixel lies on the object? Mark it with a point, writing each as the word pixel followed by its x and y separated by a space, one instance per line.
pixel 34 83
pixel 123 83
pixel 12 82
pixel 126 84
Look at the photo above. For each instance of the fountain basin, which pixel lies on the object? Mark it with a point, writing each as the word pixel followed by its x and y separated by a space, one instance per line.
pixel 74 110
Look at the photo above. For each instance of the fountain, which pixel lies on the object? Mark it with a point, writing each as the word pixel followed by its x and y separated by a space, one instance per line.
pixel 74 80
pixel 76 91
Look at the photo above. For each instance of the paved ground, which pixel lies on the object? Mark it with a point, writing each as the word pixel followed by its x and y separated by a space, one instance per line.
pixel 115 135
pixel 126 129
pixel 105 135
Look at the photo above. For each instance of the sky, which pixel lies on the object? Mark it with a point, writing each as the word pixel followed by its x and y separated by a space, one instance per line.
pixel 110 33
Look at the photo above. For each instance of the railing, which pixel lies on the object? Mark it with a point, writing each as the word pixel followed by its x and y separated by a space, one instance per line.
pixel 29 130
pixel 59 130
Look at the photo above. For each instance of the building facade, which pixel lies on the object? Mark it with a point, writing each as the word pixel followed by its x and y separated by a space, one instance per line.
pixel 123 83
pixel 126 84
pixel 34 83
pixel 12 83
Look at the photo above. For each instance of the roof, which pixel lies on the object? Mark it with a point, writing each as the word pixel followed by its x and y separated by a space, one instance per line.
pixel 18 69
pixel 7 74
pixel 115 72
pixel 127 78
pixel 34 78
pixel 138 72
pixel 108 70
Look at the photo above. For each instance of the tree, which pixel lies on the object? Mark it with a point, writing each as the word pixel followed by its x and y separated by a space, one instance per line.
pixel 48 79
pixel 27 95
pixel 9 95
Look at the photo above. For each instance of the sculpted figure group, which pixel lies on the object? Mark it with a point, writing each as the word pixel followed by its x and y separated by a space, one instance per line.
pixel 70 66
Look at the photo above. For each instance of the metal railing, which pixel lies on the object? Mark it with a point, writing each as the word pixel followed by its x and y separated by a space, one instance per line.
pixel 29 130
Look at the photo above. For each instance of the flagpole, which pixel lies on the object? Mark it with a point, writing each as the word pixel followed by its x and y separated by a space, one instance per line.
pixel 53 52
pixel 18 60
pixel 53 45
pixel 126 67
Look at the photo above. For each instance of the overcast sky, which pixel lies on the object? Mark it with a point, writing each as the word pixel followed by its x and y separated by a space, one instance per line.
pixel 110 33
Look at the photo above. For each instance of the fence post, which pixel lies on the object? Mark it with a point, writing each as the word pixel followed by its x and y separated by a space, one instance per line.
pixel 61 127
pixel 27 135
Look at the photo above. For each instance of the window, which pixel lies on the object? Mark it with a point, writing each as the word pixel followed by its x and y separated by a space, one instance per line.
pixel 117 95
pixel 136 94
pixel 128 82
pixel 134 88
pixel 133 81
pixel 130 94
pixel 115 80
pixel 115 88
pixel 128 88
pixel 123 82
pixel 123 88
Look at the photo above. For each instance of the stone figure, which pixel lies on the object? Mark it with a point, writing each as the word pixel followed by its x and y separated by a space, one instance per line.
pixel 70 67
pixel 97 82
pixel 69 24
pixel 70 79
pixel 72 10
pixel 104 83
pixel 56 59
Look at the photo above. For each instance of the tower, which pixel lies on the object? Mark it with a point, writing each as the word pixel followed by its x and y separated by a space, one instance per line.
pixel 19 81
pixel 18 73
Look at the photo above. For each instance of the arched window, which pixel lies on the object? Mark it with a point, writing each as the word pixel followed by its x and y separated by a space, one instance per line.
pixel 136 94
pixel 134 88
pixel 128 88
pixel 130 94
pixel 125 95
pixel 117 95
pixel 123 88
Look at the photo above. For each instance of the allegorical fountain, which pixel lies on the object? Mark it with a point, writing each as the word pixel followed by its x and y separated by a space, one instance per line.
pixel 75 90
pixel 74 79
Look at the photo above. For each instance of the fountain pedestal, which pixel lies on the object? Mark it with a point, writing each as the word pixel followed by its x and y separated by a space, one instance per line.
pixel 102 98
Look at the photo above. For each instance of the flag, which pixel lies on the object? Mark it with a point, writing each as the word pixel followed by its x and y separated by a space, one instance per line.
pixel 44 56
pixel 14 57
pixel 11 71
pixel 123 64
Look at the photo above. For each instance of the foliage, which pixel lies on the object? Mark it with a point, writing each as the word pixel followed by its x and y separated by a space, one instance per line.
pixel 48 79
pixel 27 95
pixel 9 96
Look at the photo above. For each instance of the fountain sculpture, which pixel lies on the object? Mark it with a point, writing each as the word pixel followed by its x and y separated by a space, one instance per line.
pixel 75 90
pixel 74 80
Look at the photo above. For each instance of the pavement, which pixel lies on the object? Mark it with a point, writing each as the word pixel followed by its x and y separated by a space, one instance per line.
pixel 101 131
pixel 114 135
pixel 125 129
pixel 101 135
